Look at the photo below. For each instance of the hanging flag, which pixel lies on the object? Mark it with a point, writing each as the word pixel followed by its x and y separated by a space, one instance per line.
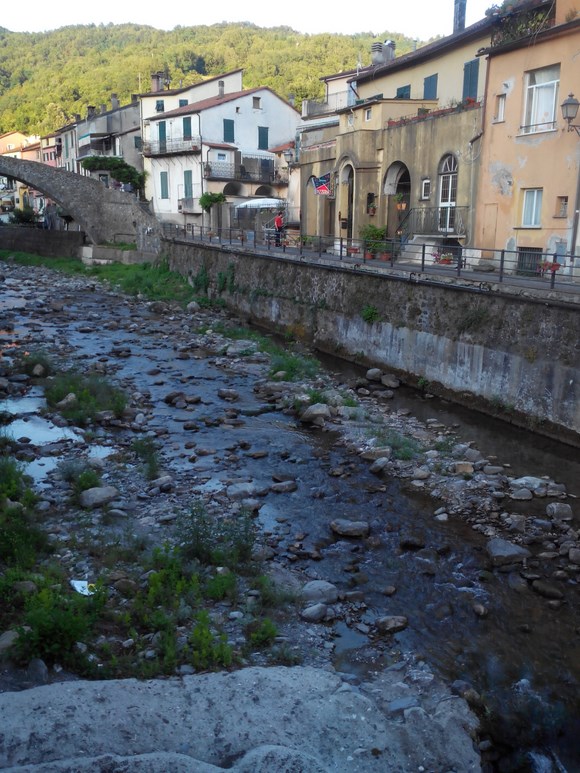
pixel 322 185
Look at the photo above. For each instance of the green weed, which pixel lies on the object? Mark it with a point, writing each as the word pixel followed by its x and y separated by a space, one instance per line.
pixel 147 450
pixel 370 314
pixel 91 396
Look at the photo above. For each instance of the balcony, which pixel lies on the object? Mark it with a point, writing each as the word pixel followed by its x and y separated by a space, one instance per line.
pixel 171 147
pixel 435 221
pixel 251 169
pixel 189 206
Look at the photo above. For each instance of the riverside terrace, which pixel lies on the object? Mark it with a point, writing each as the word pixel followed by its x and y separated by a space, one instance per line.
pixel 523 268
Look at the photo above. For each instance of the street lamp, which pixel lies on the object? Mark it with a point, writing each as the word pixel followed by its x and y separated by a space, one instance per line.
pixel 570 111
pixel 289 156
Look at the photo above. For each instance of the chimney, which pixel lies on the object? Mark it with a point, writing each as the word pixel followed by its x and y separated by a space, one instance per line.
pixel 157 81
pixel 382 53
pixel 91 111
pixel 103 108
pixel 292 99
pixel 459 16
pixel 221 87
pixel 114 102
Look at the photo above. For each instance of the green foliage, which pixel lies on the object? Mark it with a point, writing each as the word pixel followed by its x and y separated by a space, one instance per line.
pixel 201 281
pixel 120 170
pixel 293 366
pixel 147 450
pixel 24 216
pixel 21 540
pixel 221 586
pixel 263 633
pixel 207 649
pixel 92 395
pixel 473 319
pixel 217 541
pixel 54 622
pixel 46 78
pixel 207 200
pixel 373 237
pixel 403 447
pixel 11 479
pixel 370 314
pixel 30 360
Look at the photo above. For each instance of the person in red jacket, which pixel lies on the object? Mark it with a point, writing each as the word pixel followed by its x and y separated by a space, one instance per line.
pixel 279 226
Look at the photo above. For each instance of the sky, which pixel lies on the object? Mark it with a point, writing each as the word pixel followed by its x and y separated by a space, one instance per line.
pixel 420 19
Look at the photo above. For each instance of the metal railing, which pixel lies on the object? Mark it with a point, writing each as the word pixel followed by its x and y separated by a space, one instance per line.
pixel 543 271
pixel 166 147
pixel 248 169
pixel 434 220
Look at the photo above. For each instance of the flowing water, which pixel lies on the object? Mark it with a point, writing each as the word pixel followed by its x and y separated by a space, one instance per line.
pixel 524 657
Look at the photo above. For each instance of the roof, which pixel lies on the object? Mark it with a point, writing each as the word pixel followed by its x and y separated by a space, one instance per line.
pixel 282 148
pixel 181 89
pixel 426 52
pixel 220 146
pixel 207 104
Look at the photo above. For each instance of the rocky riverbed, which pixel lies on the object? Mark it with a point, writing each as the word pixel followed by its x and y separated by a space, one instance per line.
pixel 236 438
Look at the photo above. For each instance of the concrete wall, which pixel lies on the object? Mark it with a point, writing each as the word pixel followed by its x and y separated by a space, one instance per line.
pixel 516 357
pixel 53 244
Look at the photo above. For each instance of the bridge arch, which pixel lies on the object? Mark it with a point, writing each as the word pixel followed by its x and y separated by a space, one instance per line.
pixel 103 214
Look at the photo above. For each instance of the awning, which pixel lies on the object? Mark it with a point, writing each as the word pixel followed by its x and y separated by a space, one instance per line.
pixel 262 204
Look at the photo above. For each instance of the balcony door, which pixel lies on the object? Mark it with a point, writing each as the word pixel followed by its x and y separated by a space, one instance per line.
pixel 447 194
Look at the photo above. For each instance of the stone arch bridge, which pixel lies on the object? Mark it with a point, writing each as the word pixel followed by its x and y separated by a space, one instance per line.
pixel 105 215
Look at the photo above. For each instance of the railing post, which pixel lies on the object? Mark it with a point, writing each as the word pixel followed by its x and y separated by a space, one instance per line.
pixel 501 265
pixel 341 245
pixel 423 250
pixel 319 245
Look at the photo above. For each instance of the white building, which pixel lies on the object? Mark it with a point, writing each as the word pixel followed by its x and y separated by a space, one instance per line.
pixel 214 137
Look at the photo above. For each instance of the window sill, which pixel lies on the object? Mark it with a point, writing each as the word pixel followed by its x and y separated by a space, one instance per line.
pixel 535 134
pixel 527 228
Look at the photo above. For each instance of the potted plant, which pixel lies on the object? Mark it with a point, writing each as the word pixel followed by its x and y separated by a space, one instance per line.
pixel 373 238
pixel 400 201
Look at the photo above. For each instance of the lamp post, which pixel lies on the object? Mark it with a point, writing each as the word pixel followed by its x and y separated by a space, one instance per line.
pixel 569 112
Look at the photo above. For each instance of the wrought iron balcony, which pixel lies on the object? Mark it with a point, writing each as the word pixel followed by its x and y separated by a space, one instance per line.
pixel 251 168
pixel 170 147
pixel 433 221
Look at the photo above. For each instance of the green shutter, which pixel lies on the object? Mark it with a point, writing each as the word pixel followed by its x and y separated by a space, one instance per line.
pixel 187 127
pixel 262 138
pixel 470 79
pixel 430 87
pixel 164 183
pixel 187 184
pixel 229 135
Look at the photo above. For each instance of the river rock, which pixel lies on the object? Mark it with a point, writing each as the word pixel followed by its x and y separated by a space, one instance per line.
pixel 98 496
pixel 463 468
pixel 374 374
pixel 502 552
pixel 390 381
pixel 379 466
pixel 529 482
pixel 574 555
pixel 320 591
pixel 391 624
pixel 559 511
pixel 547 589
pixel 521 494
pixel 315 613
pixel 315 414
pixel 350 528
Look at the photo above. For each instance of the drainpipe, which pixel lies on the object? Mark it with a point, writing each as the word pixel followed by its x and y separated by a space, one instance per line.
pixel 575 219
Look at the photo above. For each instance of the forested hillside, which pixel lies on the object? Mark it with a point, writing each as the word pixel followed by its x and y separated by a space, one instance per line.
pixel 47 78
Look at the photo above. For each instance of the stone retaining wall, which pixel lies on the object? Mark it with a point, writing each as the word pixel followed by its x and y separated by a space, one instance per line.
pixel 514 356
pixel 53 244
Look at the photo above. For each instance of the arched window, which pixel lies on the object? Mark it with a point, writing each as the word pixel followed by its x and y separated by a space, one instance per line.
pixel 447 193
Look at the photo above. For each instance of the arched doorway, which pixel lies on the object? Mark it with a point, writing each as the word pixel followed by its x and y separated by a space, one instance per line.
pixel 397 188
pixel 346 203
pixel 447 193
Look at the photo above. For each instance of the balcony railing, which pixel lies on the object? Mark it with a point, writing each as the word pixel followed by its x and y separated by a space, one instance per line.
pixel 250 169
pixel 434 220
pixel 168 147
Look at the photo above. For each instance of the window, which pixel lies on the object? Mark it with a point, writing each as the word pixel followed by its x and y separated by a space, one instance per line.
pixel 470 79
pixel 137 143
pixel 447 193
pixel 529 260
pixel 256 103
pixel 425 188
pixel 187 184
pixel 541 99
pixel 221 156
pixel 228 130
pixel 403 92
pixel 561 206
pixel 430 87
pixel 164 185
pixel 531 214
pixel 183 102
pixel 500 108
pixel 159 106
pixel 368 113
pixel 187 127
pixel 262 138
